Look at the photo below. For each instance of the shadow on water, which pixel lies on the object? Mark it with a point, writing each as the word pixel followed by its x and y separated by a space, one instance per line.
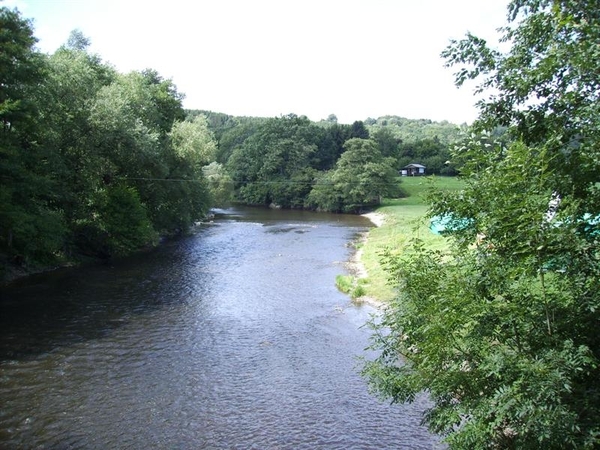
pixel 233 338
pixel 59 308
pixel 44 311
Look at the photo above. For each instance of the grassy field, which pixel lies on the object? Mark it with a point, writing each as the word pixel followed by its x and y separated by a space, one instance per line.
pixel 404 219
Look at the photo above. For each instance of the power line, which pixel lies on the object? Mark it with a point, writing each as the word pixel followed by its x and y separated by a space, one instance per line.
pixel 182 180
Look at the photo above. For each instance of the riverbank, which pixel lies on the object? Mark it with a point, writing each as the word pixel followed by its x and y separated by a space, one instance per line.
pixel 397 222
pixel 356 266
pixel 11 270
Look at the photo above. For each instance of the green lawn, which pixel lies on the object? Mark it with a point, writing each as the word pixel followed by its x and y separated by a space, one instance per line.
pixel 404 219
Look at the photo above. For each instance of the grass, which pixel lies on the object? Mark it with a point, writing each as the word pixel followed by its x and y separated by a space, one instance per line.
pixel 348 284
pixel 404 219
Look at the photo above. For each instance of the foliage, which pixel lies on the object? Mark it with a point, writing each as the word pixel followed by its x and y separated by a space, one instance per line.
pixel 412 130
pixel 220 184
pixel 387 142
pixel 30 228
pixel 323 195
pixel 193 141
pixel 270 166
pixel 546 88
pixel 360 179
pixel 501 330
pixel 244 143
pixel 416 141
pixel 92 161
pixel 430 152
pixel 124 220
pixel 351 285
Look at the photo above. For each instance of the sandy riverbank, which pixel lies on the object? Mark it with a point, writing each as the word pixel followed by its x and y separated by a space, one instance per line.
pixel 355 265
pixel 377 218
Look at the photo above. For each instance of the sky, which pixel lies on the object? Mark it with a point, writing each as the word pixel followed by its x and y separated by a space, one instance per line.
pixel 352 58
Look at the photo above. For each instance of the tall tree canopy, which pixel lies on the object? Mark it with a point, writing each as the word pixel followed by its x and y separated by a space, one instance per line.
pixel 501 331
pixel 360 179
pixel 273 164
pixel 28 223
pixel 92 161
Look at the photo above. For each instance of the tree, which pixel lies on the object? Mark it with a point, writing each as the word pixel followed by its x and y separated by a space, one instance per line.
pixel 358 130
pixel 145 145
pixel 124 221
pixel 193 141
pixel 78 41
pixel 72 81
pixel 219 182
pixel 360 179
pixel 501 329
pixel 429 152
pixel 30 230
pixel 91 161
pixel 270 166
pixel 387 142
pixel 546 88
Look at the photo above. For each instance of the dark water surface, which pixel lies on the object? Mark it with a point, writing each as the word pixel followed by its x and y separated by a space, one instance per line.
pixel 235 337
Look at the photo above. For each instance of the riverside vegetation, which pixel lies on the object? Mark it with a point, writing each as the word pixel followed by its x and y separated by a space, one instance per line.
pixel 500 326
pixel 96 164
pixel 404 219
pixel 497 322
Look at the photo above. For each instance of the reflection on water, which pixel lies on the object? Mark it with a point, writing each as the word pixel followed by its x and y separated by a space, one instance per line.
pixel 235 337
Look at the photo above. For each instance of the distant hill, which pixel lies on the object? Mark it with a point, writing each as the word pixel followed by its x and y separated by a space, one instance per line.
pixel 411 130
pixel 408 130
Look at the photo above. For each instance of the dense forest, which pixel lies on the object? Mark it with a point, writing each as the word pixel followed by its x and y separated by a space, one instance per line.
pixel 95 163
pixel 404 140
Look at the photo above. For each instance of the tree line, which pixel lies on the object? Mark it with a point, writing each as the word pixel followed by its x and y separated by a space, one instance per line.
pixel 97 163
pixel 93 163
pixel 292 162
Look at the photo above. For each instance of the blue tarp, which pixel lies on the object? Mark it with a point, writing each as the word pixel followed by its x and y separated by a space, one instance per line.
pixel 446 223
pixel 442 224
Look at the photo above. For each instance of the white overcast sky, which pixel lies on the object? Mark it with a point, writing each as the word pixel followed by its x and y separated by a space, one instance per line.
pixel 352 58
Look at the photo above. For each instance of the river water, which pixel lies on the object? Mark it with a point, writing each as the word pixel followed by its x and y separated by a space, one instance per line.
pixel 233 338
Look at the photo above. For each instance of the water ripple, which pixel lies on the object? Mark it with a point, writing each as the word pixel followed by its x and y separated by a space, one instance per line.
pixel 235 338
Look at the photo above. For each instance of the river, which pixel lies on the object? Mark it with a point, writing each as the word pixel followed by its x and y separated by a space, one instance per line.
pixel 232 338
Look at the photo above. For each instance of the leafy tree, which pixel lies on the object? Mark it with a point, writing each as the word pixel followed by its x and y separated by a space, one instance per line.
pixel 30 230
pixel 411 130
pixel 233 136
pixel 273 159
pixel 73 80
pixel 323 196
pixel 547 87
pixel 331 140
pixel 360 179
pixel 501 331
pixel 388 143
pixel 429 152
pixel 166 99
pixel 78 41
pixel 220 184
pixel 358 130
pixel 193 141
pixel 91 161
pixel 123 220
pixel 330 146
pixel 145 144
